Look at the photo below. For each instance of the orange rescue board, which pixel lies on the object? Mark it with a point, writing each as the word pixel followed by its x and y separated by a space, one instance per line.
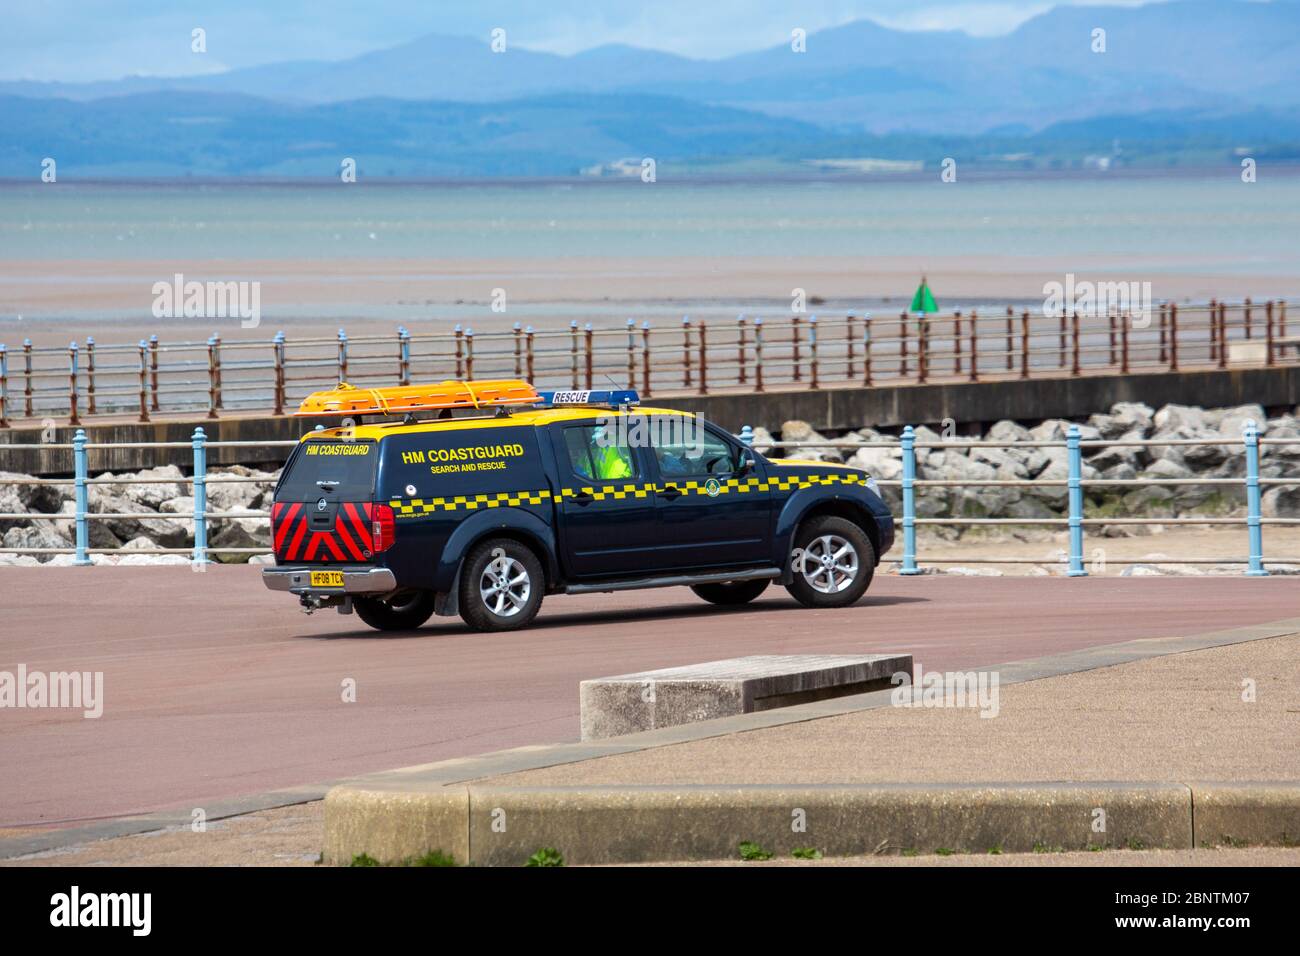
pixel 349 400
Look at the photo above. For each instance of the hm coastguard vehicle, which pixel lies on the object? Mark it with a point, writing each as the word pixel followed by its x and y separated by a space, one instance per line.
pixel 509 494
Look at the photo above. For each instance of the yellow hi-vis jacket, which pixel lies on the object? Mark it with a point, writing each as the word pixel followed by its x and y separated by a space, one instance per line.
pixel 611 462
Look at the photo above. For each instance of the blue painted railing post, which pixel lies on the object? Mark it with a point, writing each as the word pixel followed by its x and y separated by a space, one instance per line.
pixel 80 472
pixel 1250 434
pixel 909 502
pixel 746 436
pixel 1075 456
pixel 199 445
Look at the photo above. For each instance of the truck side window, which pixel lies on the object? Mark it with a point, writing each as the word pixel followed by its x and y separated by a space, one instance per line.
pixel 597 453
pixel 689 452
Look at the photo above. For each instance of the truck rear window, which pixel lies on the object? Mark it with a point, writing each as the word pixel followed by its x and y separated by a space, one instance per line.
pixel 351 464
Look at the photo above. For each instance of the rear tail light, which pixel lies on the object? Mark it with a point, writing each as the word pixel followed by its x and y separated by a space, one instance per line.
pixel 382 530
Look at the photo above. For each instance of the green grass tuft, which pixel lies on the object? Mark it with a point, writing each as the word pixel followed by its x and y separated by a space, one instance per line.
pixel 546 856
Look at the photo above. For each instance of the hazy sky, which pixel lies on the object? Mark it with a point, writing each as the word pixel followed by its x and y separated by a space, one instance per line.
pixel 104 39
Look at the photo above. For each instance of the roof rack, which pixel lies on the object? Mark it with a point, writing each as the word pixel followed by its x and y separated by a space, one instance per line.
pixel 350 400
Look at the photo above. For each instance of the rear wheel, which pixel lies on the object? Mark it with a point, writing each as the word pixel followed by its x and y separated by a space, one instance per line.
pixel 403 611
pixel 501 585
pixel 833 562
pixel 731 592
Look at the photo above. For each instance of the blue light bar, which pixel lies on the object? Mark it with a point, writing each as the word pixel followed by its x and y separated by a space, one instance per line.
pixel 608 398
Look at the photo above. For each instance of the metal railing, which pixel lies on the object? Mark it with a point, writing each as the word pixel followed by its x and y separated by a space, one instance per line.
pixel 199 482
pixel 750 353
pixel 1074 519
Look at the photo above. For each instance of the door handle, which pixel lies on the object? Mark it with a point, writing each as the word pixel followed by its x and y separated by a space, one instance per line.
pixel 583 497
pixel 670 492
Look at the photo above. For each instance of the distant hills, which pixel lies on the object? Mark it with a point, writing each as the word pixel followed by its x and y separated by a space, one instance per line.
pixel 1179 82
pixel 214 134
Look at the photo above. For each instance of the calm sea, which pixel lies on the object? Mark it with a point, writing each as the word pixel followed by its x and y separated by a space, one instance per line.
pixel 1200 222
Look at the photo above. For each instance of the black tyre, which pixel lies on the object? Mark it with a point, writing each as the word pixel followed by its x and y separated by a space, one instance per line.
pixel 731 592
pixel 833 562
pixel 403 611
pixel 501 586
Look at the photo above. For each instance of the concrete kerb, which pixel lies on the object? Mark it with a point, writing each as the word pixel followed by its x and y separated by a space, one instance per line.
pixel 391 824
pixel 502 826
pixel 644 824
pixel 404 813
pixel 1246 814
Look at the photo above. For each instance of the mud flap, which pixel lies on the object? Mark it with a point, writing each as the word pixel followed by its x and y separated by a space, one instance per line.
pixel 448 604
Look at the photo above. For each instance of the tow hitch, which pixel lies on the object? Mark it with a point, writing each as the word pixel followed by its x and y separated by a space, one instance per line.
pixel 311 603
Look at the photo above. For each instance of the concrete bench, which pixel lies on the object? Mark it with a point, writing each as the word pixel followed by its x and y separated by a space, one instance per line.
pixel 629 703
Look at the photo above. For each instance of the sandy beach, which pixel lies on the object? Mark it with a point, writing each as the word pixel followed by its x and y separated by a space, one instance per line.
pixel 111 299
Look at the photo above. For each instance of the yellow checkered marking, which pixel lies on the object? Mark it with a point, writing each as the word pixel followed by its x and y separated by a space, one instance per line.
pixel 811 481
pixel 417 507
pixel 506 499
pixel 610 492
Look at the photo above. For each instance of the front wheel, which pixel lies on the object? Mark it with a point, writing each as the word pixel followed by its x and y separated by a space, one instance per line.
pixel 833 563
pixel 403 611
pixel 501 585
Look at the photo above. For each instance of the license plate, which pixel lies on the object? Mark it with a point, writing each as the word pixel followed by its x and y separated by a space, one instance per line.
pixel 327 579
